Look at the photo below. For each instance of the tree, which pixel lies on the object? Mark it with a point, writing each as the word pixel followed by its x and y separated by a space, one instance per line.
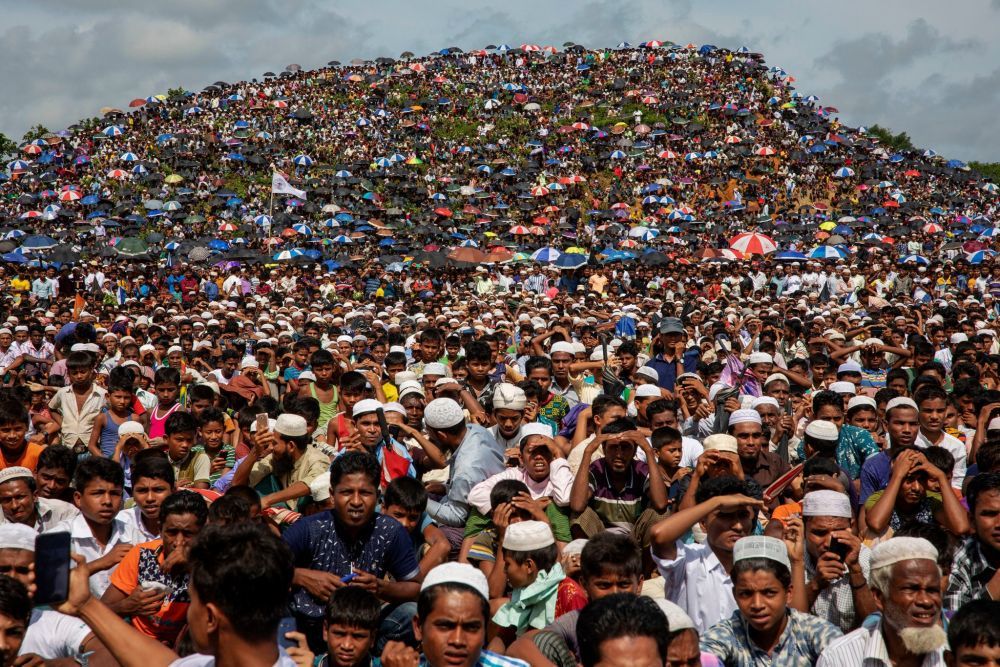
pixel 176 92
pixel 989 170
pixel 899 142
pixel 36 132
pixel 8 147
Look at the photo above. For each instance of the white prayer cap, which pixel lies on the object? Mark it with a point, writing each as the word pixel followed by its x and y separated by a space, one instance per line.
pixel 458 573
pixel 507 396
pixel 648 372
pixel 443 413
pixel 561 346
pixel 744 416
pixel 647 391
pixel 319 488
pixel 720 442
pixel 15 472
pixel 677 618
pixel 763 400
pixel 291 425
pixel 395 406
pixel 994 424
pixel 843 388
pixel 17 536
pixel 761 546
pixel 901 402
pixel 250 362
pixel 175 348
pixel 441 382
pixel 364 406
pixel 574 547
pixel 435 369
pixel 849 367
pixel 410 387
pixel 898 549
pixel 760 358
pixel 861 401
pixel 130 428
pixel 528 536
pixel 822 430
pixel 714 390
pixel 826 502
pixel 535 428
pixel 405 376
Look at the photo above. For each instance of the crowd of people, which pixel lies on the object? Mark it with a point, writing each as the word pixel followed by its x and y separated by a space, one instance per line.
pixel 522 356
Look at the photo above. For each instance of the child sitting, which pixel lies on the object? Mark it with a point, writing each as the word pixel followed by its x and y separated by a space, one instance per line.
pixel 530 566
pixel 350 627
pixel 405 501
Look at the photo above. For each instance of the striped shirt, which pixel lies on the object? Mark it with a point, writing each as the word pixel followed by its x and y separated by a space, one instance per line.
pixel 799 645
pixel 865 647
pixel 618 508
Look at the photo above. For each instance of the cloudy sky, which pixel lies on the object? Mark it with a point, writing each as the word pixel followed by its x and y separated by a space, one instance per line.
pixel 930 68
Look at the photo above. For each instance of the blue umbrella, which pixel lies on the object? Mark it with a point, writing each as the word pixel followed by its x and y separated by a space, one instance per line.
pixel 263 220
pixel 303 229
pixel 827 252
pixel 113 131
pixel 571 260
pixel 286 255
pixel 302 160
pixel 343 173
pixel 546 255
pixel 788 255
pixel 39 242
pixel 218 244
pixel 916 259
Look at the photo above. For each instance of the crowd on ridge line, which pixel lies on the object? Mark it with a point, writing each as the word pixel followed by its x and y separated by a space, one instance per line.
pixel 626 462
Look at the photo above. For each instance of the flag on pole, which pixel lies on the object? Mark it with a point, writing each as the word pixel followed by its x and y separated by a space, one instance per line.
pixel 281 186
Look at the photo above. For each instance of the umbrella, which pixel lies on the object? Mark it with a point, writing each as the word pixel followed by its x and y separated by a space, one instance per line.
pixel 914 259
pixel 467 254
pixel 827 252
pixel 546 255
pixel 570 260
pixel 286 255
pixel 131 247
pixel 39 242
pixel 753 243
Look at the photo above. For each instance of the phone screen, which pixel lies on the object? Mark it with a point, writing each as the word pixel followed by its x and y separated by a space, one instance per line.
pixel 52 563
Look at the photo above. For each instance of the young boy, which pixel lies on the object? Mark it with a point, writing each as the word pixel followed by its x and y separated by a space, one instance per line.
pixel 300 363
pixel 78 405
pixel 212 434
pixel 324 388
pixel 104 437
pixel 54 472
pixel 350 627
pixel 553 406
pixel 353 387
pixel 97 534
pixel 201 397
pixel 974 635
pixel 530 566
pixel 609 563
pixel 15 450
pixel 405 500
pixel 152 482
pixel 167 385
pixel 190 468
pixel 667 443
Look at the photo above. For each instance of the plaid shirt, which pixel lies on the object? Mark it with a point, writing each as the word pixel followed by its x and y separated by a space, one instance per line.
pixel 835 603
pixel 969 576
pixel 800 644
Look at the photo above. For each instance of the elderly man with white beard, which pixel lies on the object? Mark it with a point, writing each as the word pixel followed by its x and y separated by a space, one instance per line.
pixel 906 583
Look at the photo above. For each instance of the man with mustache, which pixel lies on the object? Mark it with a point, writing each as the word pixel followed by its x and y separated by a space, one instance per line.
pixel 906 584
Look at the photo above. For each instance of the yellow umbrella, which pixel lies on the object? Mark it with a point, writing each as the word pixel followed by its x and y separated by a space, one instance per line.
pixel 173 178
pixel 576 250
pixel 828 225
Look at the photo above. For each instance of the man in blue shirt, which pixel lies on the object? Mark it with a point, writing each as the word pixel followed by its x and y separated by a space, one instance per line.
pixel 350 545
pixel 671 345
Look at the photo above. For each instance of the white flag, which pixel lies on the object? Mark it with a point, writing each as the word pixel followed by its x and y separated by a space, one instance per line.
pixel 281 186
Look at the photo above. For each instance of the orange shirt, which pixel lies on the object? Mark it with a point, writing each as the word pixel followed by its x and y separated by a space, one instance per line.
pixel 28 458
pixel 143 564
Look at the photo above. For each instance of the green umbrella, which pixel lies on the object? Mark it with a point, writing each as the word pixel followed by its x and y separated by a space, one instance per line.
pixel 132 247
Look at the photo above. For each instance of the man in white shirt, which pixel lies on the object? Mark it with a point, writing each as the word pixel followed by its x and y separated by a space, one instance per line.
pixel 932 403
pixel 696 576
pixel 50 635
pixel 20 505
pixel 906 583
pixel 97 534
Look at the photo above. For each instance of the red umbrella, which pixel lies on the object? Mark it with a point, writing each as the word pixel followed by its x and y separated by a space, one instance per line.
pixel 444 212
pixel 137 102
